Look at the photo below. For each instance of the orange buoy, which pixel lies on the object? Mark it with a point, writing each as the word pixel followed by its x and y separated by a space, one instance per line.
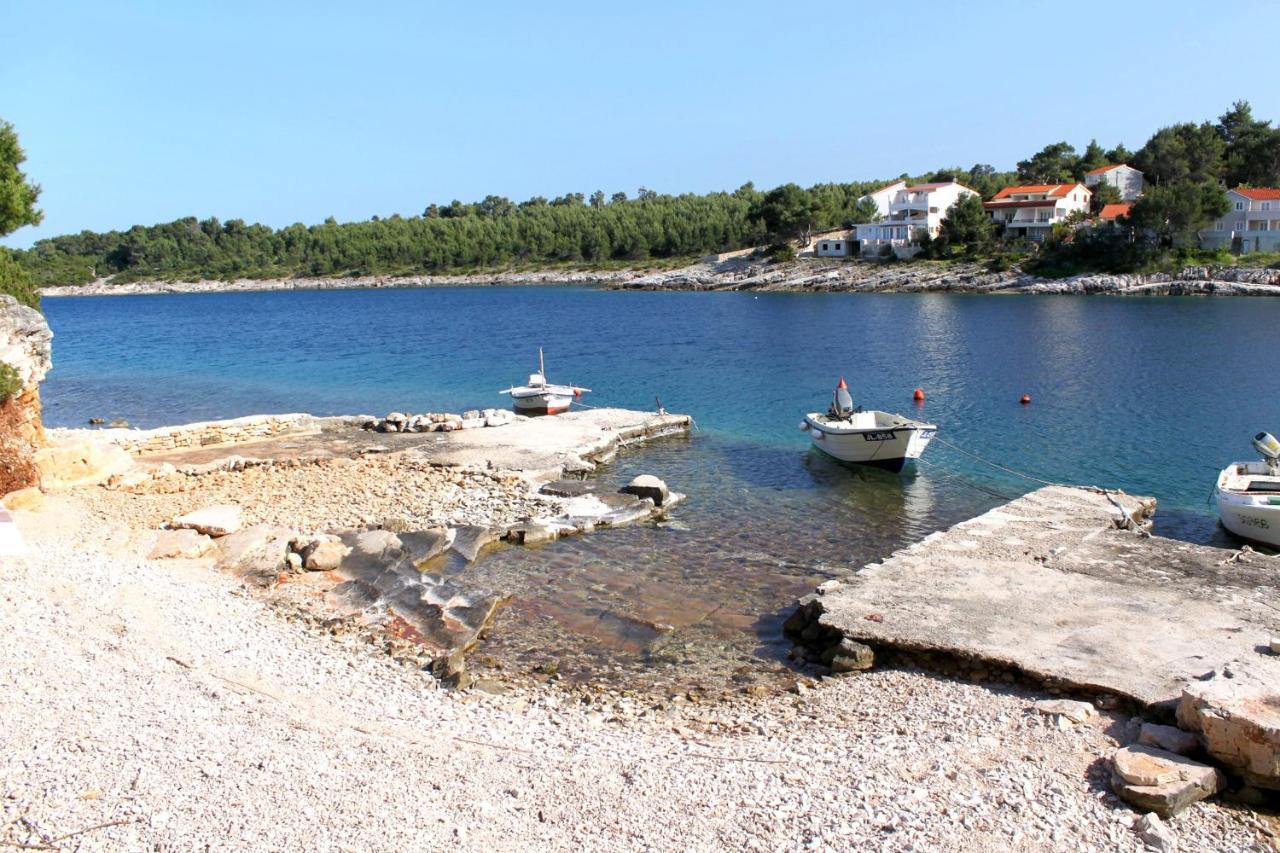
pixel 1026 399
pixel 577 392
pixel 918 395
pixel 842 383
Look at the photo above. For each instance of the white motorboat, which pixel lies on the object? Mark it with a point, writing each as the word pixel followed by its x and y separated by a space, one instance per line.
pixel 1249 494
pixel 540 397
pixel 865 436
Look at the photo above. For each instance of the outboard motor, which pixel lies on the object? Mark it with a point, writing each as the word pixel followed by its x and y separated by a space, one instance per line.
pixel 1269 447
pixel 842 403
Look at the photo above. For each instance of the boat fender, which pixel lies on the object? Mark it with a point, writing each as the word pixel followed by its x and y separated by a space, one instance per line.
pixel 804 426
pixel 818 435
pixel 577 392
pixel 918 395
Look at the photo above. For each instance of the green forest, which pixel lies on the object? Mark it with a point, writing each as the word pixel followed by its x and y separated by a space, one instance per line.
pixel 1186 166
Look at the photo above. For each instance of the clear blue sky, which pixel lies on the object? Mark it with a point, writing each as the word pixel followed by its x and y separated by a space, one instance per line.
pixel 288 112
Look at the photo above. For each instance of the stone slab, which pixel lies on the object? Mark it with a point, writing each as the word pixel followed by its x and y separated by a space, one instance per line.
pixel 1049 584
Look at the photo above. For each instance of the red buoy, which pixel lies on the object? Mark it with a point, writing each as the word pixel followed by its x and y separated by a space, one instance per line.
pixel 1026 399
pixel 918 395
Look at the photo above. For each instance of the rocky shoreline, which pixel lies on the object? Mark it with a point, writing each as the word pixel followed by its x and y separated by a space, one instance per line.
pixel 747 273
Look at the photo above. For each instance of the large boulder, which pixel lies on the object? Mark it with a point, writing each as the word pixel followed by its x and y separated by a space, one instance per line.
pixel 647 486
pixel 258 553
pixel 1238 720
pixel 81 462
pixel 219 520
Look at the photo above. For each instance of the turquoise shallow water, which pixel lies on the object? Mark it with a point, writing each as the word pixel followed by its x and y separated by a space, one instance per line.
pixel 1150 395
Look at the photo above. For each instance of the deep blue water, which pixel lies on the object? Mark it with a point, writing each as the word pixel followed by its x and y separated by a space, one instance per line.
pixel 1150 395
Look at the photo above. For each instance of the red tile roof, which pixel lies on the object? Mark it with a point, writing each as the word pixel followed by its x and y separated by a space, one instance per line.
pixel 887 186
pixel 1114 211
pixel 1101 169
pixel 1051 190
pixel 1004 205
pixel 1259 193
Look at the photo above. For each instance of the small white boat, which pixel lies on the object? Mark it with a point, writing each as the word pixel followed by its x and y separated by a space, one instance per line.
pixel 1249 494
pixel 866 436
pixel 540 397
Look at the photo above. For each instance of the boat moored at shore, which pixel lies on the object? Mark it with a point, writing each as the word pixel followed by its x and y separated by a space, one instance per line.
pixel 867 437
pixel 540 397
pixel 1248 494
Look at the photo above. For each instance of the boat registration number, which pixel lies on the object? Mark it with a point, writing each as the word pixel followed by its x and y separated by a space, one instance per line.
pixel 886 435
pixel 1254 521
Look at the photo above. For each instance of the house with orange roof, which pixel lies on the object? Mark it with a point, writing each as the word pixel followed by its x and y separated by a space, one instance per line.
pixel 1123 177
pixel 1251 223
pixel 913 211
pixel 1032 210
pixel 1112 212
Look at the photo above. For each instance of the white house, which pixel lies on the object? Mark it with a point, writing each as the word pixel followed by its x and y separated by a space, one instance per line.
pixel 912 211
pixel 1252 219
pixel 1032 210
pixel 883 196
pixel 1126 179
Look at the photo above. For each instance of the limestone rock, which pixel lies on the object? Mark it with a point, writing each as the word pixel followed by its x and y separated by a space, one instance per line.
pixel 1070 709
pixel 83 462
pixel 531 533
pixel 375 543
pixel 25 340
pixel 1168 738
pixel 180 544
pixel 575 464
pixel 469 540
pixel 569 488
pixel 218 520
pixel 472 423
pixel 647 486
pixel 321 553
pixel 30 498
pixel 1155 834
pixel 1161 782
pixel 852 656
pixel 257 553
pixel 499 418
pixel 1238 720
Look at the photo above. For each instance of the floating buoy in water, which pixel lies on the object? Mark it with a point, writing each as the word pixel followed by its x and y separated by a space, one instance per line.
pixel 918 395
pixel 1026 400
pixel 577 392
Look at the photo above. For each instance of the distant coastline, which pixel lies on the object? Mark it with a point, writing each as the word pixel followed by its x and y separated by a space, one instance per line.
pixel 746 273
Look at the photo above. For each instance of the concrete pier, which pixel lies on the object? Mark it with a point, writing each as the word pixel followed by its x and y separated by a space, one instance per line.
pixel 1051 586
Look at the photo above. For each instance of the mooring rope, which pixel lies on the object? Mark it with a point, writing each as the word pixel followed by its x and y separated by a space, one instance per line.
pixel 1129 522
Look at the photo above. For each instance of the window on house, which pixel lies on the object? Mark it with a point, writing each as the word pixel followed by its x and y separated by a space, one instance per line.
pixel 824 247
pixel 1220 227
pixel 1240 225
pixel 1239 205
pixel 1266 205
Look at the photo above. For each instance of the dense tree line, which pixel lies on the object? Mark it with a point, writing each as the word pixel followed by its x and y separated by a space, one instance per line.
pixel 1186 166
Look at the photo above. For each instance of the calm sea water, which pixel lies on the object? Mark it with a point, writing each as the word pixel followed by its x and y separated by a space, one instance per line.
pixel 1149 395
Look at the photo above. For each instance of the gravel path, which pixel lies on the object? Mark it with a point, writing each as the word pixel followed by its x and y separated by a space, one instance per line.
pixel 171 708
pixel 395 489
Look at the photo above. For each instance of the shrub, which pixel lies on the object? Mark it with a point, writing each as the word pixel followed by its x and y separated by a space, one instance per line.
pixel 10 381
pixel 782 252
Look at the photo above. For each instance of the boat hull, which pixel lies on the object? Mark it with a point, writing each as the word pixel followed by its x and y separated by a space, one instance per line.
pixel 1253 517
pixel 892 448
pixel 543 403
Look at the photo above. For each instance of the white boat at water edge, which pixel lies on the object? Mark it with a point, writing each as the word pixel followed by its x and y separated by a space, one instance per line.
pixel 867 437
pixel 540 397
pixel 1248 494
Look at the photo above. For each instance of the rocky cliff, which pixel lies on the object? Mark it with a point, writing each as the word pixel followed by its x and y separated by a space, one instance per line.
pixel 25 346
